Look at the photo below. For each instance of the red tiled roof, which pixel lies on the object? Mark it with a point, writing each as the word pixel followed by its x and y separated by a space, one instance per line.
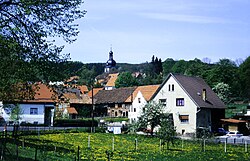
pixel 43 93
pixel 95 91
pixel 147 91
pixel 83 89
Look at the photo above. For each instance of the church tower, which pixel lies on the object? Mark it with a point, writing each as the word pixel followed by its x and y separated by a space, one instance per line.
pixel 110 63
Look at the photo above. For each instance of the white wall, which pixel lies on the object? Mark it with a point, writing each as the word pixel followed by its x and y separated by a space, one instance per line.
pixel 189 107
pixel 133 116
pixel 26 116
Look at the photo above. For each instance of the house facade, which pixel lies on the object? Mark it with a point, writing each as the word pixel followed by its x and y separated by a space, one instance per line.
pixel 141 96
pixel 191 101
pixel 39 110
pixel 116 102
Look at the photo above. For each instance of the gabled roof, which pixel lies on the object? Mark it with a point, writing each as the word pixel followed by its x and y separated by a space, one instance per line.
pixel 147 91
pixel 95 91
pixel 119 95
pixel 112 79
pixel 194 86
pixel 43 93
pixel 83 88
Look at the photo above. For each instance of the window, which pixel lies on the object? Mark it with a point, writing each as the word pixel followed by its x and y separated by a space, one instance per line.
pixel 169 87
pixel 139 100
pixel 179 101
pixel 163 102
pixel 134 109
pixel 184 118
pixel 33 111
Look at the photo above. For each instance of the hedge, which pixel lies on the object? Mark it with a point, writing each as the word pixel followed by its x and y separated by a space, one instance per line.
pixel 75 123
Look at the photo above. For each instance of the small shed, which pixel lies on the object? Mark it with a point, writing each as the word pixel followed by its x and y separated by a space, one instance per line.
pixel 234 125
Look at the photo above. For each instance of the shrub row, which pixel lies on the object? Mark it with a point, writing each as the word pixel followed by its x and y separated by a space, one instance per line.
pixel 75 123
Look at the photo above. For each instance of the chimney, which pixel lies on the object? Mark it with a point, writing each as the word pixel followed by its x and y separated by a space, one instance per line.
pixel 204 94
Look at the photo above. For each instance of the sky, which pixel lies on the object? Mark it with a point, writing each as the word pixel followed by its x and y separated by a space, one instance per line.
pixel 179 29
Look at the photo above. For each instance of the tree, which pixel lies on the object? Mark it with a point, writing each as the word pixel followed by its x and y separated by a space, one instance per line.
pixel 224 71
pixel 16 113
pixel 223 91
pixel 167 66
pixel 151 116
pixel 87 76
pixel 180 67
pixel 26 30
pixel 167 132
pixel 244 71
pixel 125 79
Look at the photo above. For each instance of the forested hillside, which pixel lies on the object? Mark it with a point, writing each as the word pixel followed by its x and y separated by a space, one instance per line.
pixel 226 77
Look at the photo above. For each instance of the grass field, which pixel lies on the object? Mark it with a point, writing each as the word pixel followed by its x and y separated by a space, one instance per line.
pixel 102 146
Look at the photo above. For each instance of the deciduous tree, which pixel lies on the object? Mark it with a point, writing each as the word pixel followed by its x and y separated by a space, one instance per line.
pixel 27 32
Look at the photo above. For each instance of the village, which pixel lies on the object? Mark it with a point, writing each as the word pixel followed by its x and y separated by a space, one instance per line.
pixel 124 80
pixel 191 102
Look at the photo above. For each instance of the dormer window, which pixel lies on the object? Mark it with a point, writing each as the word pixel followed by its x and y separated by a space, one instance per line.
pixel 204 94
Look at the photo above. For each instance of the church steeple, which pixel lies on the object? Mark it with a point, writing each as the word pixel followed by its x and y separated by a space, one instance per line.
pixel 111 62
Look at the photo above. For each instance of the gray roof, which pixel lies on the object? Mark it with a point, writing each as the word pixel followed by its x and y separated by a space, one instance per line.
pixel 119 95
pixel 194 86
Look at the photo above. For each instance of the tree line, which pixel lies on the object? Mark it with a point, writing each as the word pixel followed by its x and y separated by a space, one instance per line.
pixel 229 79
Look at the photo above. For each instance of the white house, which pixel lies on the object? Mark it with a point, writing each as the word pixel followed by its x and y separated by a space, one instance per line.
pixel 191 101
pixel 39 110
pixel 141 96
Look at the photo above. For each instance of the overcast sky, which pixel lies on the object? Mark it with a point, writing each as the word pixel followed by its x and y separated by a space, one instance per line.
pixel 178 29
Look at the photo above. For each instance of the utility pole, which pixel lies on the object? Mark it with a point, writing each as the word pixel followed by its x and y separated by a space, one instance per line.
pixel 93 109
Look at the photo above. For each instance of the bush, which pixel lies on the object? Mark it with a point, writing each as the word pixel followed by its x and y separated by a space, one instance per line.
pixel 75 123
pixel 115 119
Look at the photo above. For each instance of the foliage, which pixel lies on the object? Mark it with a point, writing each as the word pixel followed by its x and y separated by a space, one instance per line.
pixel 75 122
pixel 124 148
pixel 16 112
pixel 115 119
pixel 151 116
pixel 167 131
pixel 125 79
pixel 223 91
pixel 87 76
pixel 168 65
pixel 244 71
pixel 27 48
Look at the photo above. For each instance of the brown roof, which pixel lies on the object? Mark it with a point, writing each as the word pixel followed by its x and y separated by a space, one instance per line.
pixel 112 79
pixel 43 93
pixel 119 95
pixel 95 91
pixel 232 120
pixel 72 110
pixel 70 96
pixel 147 91
pixel 194 86
pixel 83 89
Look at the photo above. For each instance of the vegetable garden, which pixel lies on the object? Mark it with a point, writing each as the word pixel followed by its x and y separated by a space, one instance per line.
pixel 102 146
